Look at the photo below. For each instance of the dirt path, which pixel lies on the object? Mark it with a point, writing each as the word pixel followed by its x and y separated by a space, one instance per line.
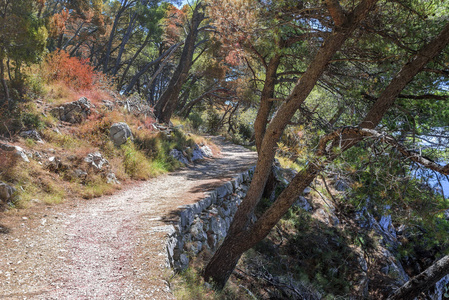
pixel 111 247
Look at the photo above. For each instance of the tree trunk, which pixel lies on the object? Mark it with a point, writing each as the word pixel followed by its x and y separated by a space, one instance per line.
pixel 125 40
pixel 423 281
pixel 241 235
pixel 112 35
pixel 166 105
pixel 265 104
pixel 131 61
pixel 164 56
pixel 4 84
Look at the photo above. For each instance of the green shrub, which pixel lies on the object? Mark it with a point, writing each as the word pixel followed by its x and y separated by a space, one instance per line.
pixel 195 120
pixel 213 121
pixel 136 164
pixel 32 120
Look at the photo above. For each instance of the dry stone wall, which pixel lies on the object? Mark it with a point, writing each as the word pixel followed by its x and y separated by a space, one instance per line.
pixel 204 225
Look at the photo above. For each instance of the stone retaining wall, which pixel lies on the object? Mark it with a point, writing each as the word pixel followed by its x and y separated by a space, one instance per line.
pixel 203 225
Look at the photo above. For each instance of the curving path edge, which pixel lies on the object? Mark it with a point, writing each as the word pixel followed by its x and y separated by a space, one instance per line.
pixel 112 247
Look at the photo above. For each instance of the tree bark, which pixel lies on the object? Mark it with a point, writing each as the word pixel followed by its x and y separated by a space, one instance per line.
pixel 166 105
pixel 241 235
pixel 265 104
pixel 4 84
pixel 423 281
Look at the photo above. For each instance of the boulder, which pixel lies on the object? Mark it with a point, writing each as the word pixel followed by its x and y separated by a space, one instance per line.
pixel 176 154
pixel 206 151
pixel 303 203
pixel 54 164
pixel 73 112
pixel 342 185
pixel 18 151
pixel 112 179
pixel 119 133
pixel 201 152
pixel 109 105
pixel 96 160
pixel 80 174
pixel 6 192
pixel 32 134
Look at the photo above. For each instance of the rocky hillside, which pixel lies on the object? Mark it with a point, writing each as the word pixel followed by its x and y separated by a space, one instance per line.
pixel 86 148
pixel 322 249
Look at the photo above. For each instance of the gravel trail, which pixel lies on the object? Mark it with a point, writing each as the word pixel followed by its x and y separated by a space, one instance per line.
pixel 112 247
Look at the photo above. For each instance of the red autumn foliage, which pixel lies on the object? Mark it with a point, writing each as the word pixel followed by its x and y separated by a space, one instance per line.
pixel 57 23
pixel 74 72
pixel 173 24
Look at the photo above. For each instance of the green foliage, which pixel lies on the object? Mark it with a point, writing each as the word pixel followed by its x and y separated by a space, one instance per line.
pixel 157 147
pixel 213 121
pixel 190 286
pixel 32 120
pixel 325 258
pixel 196 120
pixel 136 164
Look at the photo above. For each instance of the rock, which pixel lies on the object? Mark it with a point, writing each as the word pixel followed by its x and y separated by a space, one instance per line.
pixel 120 133
pixel 341 185
pixel 80 174
pixel 6 192
pixel 54 164
pixel 440 289
pixel 73 112
pixel 32 134
pixel 186 216
pixel 207 152
pixel 396 271
pixel 176 154
pixel 96 160
pixel 112 179
pixel 225 190
pixel 18 151
pixel 218 227
pixel 184 261
pixel 194 248
pixel 197 154
pixel 224 211
pixel 108 104
pixel 303 203
pixel 197 232
pixel 307 191
pixel 170 246
pixel 212 240
pixel 386 223
pixel 38 156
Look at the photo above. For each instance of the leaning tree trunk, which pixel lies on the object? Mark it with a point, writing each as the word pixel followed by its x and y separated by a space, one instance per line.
pixel 166 105
pixel 242 235
pixel 423 281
